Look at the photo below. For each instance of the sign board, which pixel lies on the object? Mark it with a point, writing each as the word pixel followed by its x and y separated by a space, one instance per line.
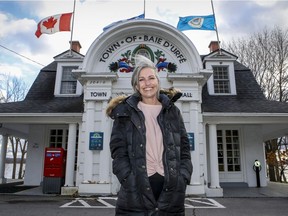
pixel 189 95
pixel 191 141
pixel 96 141
pixel 97 94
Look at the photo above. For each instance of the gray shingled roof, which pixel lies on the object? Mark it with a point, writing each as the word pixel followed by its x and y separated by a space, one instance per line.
pixel 249 98
pixel 40 98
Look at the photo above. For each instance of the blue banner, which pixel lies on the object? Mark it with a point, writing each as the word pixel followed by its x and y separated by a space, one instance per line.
pixel 142 16
pixel 196 23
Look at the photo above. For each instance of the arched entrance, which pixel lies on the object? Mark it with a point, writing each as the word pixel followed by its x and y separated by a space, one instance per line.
pixel 106 73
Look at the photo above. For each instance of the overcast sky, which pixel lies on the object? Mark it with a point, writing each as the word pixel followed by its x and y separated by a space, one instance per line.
pixel 18 22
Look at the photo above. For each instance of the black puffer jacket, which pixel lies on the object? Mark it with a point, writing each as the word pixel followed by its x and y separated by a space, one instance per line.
pixel 127 147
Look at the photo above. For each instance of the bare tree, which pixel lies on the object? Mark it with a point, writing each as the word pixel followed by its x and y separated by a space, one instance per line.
pixel 266 54
pixel 14 89
pixel 18 146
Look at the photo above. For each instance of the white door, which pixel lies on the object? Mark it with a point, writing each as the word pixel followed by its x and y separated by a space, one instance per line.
pixel 229 155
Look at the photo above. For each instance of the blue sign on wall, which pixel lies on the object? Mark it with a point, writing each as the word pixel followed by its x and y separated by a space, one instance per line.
pixel 96 141
pixel 191 141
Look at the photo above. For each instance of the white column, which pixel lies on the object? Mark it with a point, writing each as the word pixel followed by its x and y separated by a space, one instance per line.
pixel 214 170
pixel 3 151
pixel 70 160
pixel 88 160
pixel 194 127
pixel 105 157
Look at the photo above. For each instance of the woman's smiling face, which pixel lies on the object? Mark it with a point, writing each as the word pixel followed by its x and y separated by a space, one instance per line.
pixel 148 84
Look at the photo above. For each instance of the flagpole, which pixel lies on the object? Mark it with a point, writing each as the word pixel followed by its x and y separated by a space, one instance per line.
pixel 144 8
pixel 72 27
pixel 216 27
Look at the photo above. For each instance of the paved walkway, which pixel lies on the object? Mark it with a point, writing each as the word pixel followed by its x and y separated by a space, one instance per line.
pixel 273 189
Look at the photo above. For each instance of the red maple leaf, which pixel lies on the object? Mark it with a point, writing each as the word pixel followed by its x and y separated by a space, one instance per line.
pixel 50 23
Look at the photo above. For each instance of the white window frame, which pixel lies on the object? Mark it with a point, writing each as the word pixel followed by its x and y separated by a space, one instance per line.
pixel 221 85
pixel 58 82
pixel 225 151
pixel 237 176
pixel 231 76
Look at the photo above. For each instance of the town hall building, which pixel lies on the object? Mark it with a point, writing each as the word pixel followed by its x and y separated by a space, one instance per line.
pixel 226 115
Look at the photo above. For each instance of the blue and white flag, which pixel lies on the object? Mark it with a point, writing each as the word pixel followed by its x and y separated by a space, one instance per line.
pixel 196 23
pixel 142 16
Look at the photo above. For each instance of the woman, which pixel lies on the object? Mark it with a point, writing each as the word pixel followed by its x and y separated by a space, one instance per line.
pixel 149 147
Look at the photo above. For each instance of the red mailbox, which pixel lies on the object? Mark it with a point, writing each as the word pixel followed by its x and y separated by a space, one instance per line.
pixel 55 162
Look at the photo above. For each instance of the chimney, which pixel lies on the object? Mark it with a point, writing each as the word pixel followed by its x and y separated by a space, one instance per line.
pixel 76 46
pixel 213 46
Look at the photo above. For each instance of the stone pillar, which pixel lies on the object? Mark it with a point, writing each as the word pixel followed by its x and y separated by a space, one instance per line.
pixel 195 154
pixel 105 157
pixel 88 160
pixel 70 160
pixel 214 171
pixel 191 84
pixel 3 152
pixel 97 162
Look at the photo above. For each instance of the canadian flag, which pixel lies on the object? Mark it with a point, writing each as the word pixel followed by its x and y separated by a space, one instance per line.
pixel 53 24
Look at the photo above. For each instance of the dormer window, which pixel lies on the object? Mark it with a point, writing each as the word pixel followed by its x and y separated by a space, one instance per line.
pixel 221 79
pixel 222 82
pixel 66 85
pixel 68 82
